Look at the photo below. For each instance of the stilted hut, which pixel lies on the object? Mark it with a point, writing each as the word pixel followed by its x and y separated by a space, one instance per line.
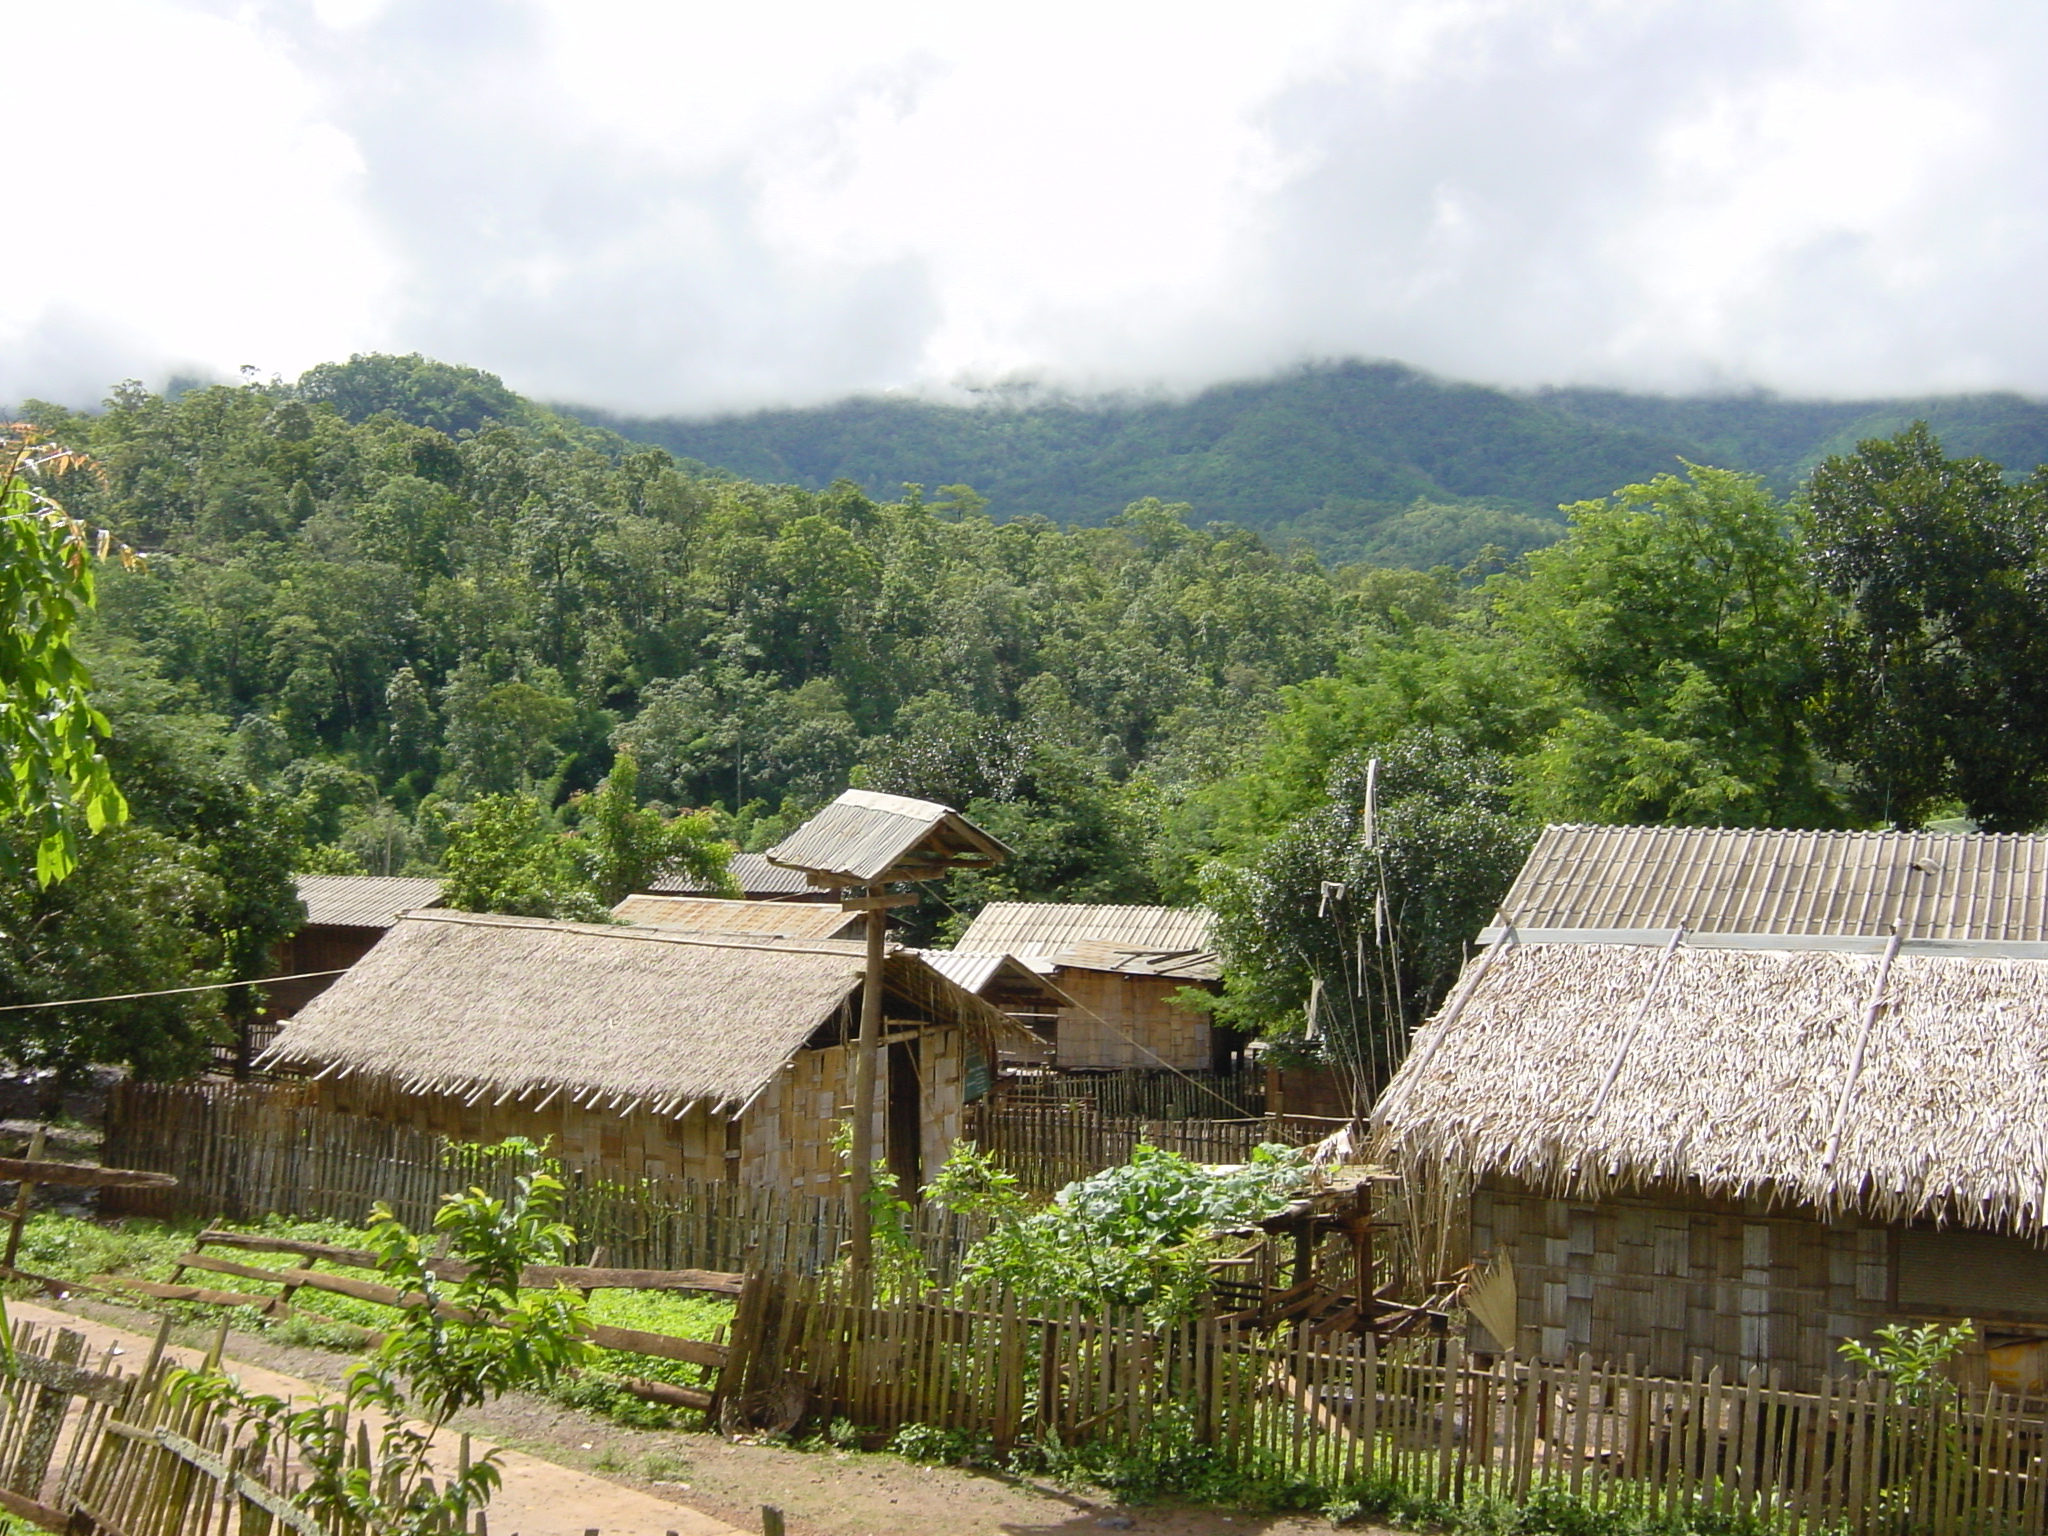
pixel 640 1050
pixel 1818 1112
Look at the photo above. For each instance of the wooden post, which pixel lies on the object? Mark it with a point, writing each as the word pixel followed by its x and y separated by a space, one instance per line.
pixel 867 1053
pixel 22 1202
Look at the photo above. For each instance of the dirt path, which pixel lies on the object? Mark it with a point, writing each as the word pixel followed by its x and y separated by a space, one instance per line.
pixel 826 1493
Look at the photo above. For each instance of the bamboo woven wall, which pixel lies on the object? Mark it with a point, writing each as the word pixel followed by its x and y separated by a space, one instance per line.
pixel 1669 1280
pixel 1116 1020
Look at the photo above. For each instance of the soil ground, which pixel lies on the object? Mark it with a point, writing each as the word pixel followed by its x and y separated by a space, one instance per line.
pixel 821 1493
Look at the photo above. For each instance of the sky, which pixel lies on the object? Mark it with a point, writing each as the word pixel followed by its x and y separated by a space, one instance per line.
pixel 693 208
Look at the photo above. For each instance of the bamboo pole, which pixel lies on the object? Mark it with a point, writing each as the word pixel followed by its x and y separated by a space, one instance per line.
pixel 860 1176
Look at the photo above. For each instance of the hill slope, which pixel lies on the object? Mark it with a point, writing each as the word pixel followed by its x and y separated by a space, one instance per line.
pixel 1337 453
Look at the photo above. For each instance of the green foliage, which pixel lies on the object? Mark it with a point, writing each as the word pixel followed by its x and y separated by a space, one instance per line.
pixel 57 780
pixel 624 847
pixel 1914 1359
pixel 1132 1236
pixel 1369 920
pixel 1935 667
pixel 1682 619
pixel 467 1342
pixel 504 857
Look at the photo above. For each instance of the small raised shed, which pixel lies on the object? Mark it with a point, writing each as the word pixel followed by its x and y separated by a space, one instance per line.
pixel 345 915
pixel 640 1050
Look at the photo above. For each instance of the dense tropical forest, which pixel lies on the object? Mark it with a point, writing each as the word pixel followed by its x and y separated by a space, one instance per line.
pixel 395 619
pixel 1366 462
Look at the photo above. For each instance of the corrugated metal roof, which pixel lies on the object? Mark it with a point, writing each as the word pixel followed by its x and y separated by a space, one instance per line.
pixel 1152 941
pixel 972 972
pixel 363 901
pixel 756 878
pixel 1931 885
pixel 766 919
pixel 863 836
pixel 1045 927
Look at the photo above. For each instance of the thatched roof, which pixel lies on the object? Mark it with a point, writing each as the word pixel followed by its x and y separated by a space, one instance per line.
pixel 1745 1073
pixel 1138 941
pixel 1928 885
pixel 765 919
pixel 522 1008
pixel 363 901
pixel 863 838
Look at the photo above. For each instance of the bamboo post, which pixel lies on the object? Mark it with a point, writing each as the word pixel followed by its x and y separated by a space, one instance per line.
pixel 860 1176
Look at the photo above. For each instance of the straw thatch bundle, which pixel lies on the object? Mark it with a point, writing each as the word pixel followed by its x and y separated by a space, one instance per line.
pixel 521 1008
pixel 1745 1069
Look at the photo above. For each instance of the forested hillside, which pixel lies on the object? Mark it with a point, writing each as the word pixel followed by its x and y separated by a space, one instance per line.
pixel 395 619
pixel 1368 461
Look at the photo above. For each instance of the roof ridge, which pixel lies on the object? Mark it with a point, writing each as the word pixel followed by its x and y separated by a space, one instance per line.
pixel 761 943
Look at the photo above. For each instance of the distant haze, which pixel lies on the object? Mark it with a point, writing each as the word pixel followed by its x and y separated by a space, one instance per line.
pixel 695 208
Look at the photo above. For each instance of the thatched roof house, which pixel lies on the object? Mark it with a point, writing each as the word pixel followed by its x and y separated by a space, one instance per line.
pixel 640 1048
pixel 1747 1143
pixel 1114 971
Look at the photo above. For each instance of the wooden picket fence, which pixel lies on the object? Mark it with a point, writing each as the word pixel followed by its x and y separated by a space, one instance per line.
pixel 1426 1416
pixel 1048 1144
pixel 87 1445
pixel 245 1150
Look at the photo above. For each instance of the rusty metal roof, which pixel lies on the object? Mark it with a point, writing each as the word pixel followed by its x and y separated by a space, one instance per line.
pixel 1931 885
pixel 363 901
pixel 864 838
pixel 756 878
pixel 765 919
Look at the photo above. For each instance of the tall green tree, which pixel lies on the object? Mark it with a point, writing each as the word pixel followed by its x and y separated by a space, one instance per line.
pixel 624 846
pixel 1937 668
pixel 1683 620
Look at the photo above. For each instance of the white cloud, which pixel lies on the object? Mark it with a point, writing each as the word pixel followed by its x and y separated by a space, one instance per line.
pixel 695 206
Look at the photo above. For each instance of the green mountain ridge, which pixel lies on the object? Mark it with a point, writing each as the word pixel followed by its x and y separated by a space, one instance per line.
pixel 1339 454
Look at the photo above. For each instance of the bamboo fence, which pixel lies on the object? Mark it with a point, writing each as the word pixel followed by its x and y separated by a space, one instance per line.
pixel 1239 1095
pixel 243 1151
pixel 1427 1417
pixel 1050 1143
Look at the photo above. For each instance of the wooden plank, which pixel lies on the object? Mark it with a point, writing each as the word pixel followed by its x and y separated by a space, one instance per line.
pixel 81 1175
pixel 662 1346
pixel 579 1277
pixel 165 1291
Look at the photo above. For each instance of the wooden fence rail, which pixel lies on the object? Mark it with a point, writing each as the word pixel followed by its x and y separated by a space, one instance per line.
pixel 1136 1095
pixel 1429 1417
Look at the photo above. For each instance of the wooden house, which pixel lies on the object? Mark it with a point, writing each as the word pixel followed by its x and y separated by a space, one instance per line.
pixel 1737 1096
pixel 1113 972
pixel 345 915
pixel 641 1050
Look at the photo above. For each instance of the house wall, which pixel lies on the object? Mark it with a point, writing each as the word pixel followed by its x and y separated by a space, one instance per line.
pixel 1137 1006
pixel 316 947
pixel 1669 1279
pixel 783 1139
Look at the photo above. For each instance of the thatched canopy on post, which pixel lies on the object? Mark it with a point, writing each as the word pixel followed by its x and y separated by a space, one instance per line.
pixel 512 1008
pixel 1903 1087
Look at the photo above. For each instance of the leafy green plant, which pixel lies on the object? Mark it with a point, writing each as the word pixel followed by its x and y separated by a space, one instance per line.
pixel 1913 1359
pixel 1137 1235
pixel 463 1342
